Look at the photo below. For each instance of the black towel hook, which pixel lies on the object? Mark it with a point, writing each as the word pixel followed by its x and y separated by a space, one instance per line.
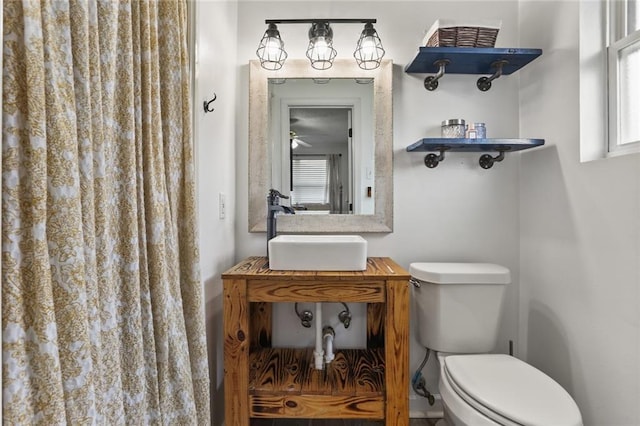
pixel 207 105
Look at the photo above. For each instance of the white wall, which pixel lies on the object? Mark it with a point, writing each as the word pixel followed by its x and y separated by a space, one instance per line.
pixel 580 235
pixel 570 237
pixel 456 212
pixel 216 26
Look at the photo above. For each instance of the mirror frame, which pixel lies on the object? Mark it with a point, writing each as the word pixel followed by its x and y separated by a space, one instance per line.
pixel 260 164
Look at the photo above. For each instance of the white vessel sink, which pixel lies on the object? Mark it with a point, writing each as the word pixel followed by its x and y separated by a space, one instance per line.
pixel 318 253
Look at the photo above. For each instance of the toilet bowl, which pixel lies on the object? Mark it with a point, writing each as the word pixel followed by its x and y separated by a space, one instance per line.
pixel 496 389
pixel 459 306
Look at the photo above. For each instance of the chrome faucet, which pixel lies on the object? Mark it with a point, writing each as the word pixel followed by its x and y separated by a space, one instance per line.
pixel 273 207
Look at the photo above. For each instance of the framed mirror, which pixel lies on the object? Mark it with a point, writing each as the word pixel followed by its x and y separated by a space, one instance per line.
pixel 284 111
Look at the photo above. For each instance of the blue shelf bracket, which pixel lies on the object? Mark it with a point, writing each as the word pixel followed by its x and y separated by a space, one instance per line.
pixel 431 82
pixel 486 160
pixel 432 160
pixel 484 83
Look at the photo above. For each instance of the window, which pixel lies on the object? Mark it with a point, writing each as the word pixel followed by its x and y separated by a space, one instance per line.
pixel 624 76
pixel 309 180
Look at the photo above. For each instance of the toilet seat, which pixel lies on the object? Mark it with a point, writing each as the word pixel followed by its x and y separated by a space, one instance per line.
pixel 509 391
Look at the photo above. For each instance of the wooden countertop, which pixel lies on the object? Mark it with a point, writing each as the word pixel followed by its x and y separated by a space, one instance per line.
pixel 257 267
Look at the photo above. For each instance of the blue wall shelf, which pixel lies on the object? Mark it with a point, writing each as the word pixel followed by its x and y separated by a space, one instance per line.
pixel 443 145
pixel 469 60
pixel 474 145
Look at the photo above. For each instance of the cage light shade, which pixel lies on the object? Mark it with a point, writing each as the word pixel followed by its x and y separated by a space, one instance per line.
pixel 320 51
pixel 271 49
pixel 369 50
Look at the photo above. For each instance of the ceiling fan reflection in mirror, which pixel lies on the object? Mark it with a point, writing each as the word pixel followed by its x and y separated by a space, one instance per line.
pixel 296 141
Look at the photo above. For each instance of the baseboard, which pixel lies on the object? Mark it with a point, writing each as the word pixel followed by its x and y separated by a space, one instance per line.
pixel 419 407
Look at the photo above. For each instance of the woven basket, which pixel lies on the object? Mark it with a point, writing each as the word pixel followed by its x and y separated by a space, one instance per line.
pixel 463 37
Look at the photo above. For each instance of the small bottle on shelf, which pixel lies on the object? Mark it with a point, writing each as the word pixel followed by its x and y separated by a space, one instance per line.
pixel 471 132
pixel 481 130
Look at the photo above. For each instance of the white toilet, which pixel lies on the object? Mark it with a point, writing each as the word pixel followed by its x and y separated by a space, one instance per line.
pixel 459 307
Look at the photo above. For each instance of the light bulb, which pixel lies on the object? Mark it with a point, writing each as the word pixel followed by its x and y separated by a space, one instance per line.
pixel 273 48
pixel 368 47
pixel 320 48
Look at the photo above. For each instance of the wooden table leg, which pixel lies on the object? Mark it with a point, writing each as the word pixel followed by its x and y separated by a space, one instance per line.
pixel 396 346
pixel 236 353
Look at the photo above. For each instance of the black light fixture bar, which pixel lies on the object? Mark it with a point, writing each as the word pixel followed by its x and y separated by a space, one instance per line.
pixel 368 53
pixel 329 20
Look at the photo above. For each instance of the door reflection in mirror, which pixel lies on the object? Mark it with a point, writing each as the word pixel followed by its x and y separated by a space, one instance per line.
pixel 320 159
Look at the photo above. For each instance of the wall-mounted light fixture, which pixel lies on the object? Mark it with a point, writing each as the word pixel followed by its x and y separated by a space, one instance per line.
pixel 320 51
pixel 368 53
pixel 271 49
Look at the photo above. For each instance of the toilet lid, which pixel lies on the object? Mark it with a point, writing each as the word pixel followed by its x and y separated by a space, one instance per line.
pixel 460 273
pixel 504 388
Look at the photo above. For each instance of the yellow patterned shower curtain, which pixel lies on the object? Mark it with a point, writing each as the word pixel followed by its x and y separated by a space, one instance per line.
pixel 102 306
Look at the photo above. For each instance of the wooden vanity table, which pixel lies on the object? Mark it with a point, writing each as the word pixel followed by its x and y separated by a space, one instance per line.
pixel 265 382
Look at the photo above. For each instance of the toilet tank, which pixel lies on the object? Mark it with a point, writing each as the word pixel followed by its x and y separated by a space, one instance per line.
pixel 459 305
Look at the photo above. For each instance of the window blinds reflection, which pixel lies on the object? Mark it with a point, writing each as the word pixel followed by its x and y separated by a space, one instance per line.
pixel 310 183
